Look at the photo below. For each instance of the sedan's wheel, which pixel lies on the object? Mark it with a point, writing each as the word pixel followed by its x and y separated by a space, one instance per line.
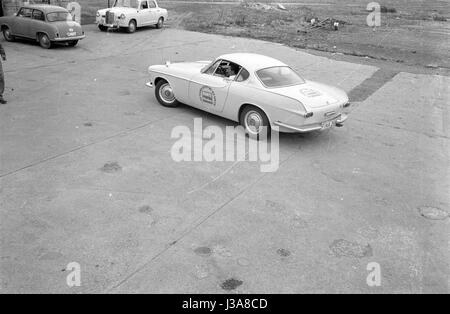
pixel 7 35
pixel 131 26
pixel 73 43
pixel 255 121
pixel 44 41
pixel 164 94
pixel 160 23
pixel 102 28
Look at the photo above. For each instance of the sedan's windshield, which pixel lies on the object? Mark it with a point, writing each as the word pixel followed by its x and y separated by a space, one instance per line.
pixel 126 3
pixel 59 16
pixel 279 77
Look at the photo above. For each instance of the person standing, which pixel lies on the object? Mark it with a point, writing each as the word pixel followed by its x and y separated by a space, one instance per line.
pixel 2 76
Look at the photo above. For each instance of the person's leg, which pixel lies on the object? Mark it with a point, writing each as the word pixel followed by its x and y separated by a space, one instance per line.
pixel 2 84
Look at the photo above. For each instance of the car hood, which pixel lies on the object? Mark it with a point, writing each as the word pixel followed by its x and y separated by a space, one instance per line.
pixel 118 10
pixel 182 69
pixel 313 94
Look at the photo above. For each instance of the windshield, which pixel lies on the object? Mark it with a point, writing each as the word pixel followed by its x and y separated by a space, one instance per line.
pixel 279 77
pixel 59 16
pixel 126 3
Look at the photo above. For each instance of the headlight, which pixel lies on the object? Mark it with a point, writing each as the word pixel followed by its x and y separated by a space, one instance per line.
pixel 122 16
pixel 98 14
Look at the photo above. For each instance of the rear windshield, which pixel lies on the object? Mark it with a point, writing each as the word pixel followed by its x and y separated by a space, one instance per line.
pixel 279 77
pixel 59 16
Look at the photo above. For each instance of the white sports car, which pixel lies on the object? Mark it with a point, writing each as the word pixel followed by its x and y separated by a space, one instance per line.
pixel 252 89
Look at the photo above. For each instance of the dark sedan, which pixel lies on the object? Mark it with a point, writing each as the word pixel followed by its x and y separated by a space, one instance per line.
pixel 44 23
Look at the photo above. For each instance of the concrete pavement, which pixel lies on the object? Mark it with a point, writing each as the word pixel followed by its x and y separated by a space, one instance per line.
pixel 340 200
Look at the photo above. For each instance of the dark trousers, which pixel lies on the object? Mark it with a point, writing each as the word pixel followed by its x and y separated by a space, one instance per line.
pixel 2 81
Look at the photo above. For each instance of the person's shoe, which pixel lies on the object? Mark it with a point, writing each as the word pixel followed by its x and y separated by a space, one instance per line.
pixel 2 101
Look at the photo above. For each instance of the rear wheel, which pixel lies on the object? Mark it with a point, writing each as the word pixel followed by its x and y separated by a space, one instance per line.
pixel 131 26
pixel 44 41
pixel 73 43
pixel 164 94
pixel 102 28
pixel 7 34
pixel 255 121
pixel 160 23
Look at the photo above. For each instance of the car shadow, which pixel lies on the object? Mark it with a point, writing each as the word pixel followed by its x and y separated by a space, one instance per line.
pixel 32 42
pixel 124 31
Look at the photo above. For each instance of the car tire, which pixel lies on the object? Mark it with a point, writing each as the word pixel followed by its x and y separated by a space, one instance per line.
pixel 165 95
pixel 160 23
pixel 102 28
pixel 131 26
pixel 73 43
pixel 7 34
pixel 252 119
pixel 44 41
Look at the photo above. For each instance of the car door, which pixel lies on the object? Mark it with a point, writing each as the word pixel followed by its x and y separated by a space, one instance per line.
pixel 23 22
pixel 154 11
pixel 144 14
pixel 208 90
pixel 37 23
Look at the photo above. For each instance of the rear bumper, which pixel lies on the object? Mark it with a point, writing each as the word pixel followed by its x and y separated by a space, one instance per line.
pixel 69 38
pixel 339 120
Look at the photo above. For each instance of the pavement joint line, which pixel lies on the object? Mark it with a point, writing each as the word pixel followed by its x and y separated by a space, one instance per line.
pixel 197 224
pixel 121 133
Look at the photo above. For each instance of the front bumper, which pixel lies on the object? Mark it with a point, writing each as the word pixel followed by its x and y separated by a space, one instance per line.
pixel 69 38
pixel 339 120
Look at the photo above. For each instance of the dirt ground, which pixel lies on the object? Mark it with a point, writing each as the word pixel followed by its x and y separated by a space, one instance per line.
pixel 415 32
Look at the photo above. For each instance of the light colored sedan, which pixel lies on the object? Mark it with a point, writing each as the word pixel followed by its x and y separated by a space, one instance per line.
pixel 252 89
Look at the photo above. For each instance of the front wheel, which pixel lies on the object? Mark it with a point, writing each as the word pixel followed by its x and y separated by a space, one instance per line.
pixel 102 28
pixel 131 26
pixel 164 94
pixel 255 121
pixel 7 35
pixel 44 41
pixel 160 23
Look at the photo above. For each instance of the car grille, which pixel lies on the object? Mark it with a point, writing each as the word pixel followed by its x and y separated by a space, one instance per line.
pixel 109 17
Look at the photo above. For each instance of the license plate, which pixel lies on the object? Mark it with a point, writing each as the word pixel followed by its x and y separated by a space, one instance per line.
pixel 70 34
pixel 327 125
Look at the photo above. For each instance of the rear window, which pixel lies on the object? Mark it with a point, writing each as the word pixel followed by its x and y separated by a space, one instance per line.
pixel 59 16
pixel 279 77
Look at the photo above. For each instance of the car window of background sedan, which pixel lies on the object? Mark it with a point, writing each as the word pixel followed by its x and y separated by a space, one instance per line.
pixel 126 3
pixel 279 77
pixel 25 12
pixel 59 17
pixel 38 15
pixel 152 4
pixel 144 5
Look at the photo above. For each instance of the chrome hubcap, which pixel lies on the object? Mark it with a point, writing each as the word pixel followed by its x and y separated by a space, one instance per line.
pixel 44 40
pixel 166 93
pixel 7 33
pixel 253 122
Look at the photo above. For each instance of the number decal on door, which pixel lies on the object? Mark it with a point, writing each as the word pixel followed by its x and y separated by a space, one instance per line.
pixel 207 96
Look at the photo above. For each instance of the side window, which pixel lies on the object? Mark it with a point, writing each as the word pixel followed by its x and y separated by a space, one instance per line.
pixel 38 15
pixel 144 5
pixel 152 4
pixel 212 68
pixel 227 69
pixel 25 12
pixel 243 75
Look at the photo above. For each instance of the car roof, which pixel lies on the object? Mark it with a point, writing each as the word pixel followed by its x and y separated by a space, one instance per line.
pixel 45 7
pixel 252 61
